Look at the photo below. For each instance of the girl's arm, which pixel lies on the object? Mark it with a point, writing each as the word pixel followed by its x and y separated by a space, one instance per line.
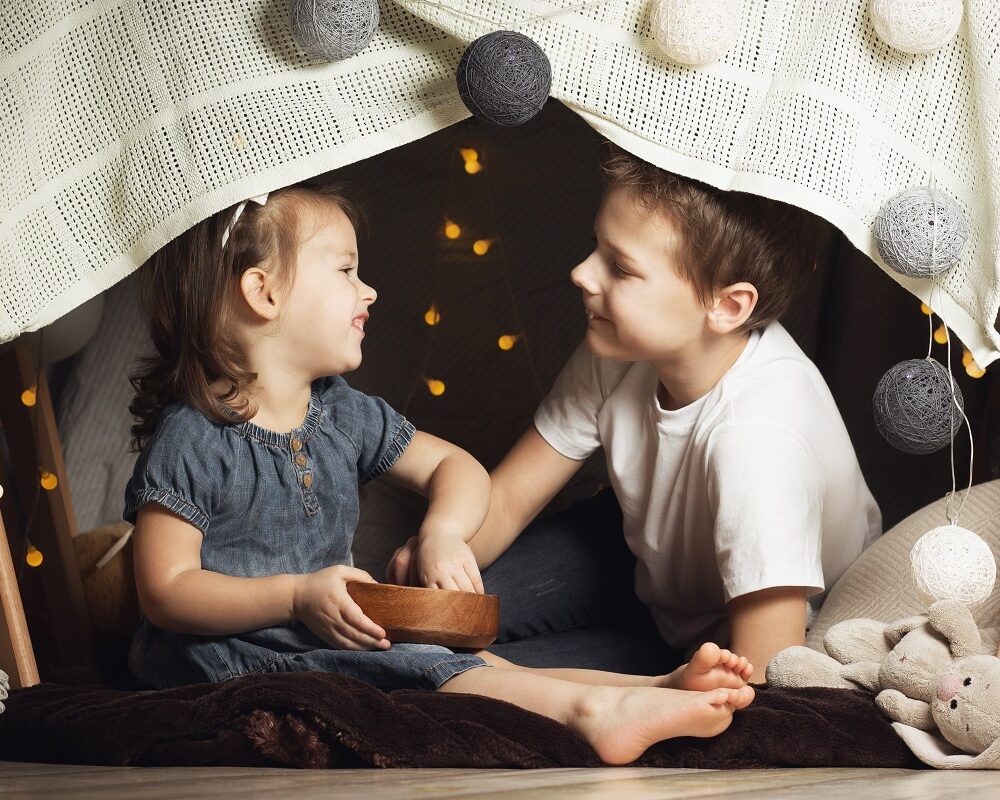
pixel 458 490
pixel 523 483
pixel 176 594
pixel 765 622
pixel 455 484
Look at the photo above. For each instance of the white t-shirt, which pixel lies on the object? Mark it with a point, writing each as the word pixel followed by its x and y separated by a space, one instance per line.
pixel 754 485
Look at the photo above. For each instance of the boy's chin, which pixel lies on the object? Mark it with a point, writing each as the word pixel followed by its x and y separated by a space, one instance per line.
pixel 601 348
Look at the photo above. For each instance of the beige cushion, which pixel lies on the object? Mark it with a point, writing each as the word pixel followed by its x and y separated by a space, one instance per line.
pixel 878 585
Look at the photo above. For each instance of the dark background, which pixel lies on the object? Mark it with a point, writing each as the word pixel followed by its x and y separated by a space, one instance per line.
pixel 538 193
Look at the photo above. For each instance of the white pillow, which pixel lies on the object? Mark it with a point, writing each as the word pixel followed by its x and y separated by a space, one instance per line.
pixel 878 585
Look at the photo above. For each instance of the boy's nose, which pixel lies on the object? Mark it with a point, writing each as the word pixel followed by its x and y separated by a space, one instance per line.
pixel 369 294
pixel 581 276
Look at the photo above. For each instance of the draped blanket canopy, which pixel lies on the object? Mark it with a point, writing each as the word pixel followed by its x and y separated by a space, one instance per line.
pixel 124 123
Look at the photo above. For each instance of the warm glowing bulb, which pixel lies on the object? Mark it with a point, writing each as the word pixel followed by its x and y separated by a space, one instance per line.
pixel 435 387
pixel 472 167
pixel 966 358
pixel 34 556
pixel 28 397
pixel 941 334
pixel 451 230
pixel 506 342
pixel 48 481
pixel 973 370
pixel 925 309
pixel 432 317
pixel 481 247
pixel 468 154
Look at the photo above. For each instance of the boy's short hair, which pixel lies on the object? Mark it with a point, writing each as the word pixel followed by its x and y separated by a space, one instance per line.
pixel 727 237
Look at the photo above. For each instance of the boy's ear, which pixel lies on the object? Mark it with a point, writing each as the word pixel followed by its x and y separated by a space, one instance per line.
pixel 732 306
pixel 259 292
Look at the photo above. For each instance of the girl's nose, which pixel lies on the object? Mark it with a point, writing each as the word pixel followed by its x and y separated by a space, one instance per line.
pixel 369 294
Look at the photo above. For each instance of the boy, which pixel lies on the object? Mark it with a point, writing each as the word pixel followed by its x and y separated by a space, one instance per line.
pixel 740 490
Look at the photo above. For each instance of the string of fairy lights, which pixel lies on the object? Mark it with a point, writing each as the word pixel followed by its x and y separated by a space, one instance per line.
pixel 452 230
pixel 941 336
pixel 435 385
pixel 47 478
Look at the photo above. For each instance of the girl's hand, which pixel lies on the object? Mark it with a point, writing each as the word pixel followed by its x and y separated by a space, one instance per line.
pixel 447 562
pixel 402 566
pixel 322 604
pixel 437 562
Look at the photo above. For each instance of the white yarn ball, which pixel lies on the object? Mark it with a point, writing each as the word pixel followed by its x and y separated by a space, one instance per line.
pixel 916 26
pixel 953 563
pixel 696 32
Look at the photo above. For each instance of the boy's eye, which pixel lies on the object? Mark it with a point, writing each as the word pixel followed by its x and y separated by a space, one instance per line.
pixel 618 271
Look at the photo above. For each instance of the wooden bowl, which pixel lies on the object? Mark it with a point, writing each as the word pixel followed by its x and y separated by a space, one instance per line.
pixel 429 616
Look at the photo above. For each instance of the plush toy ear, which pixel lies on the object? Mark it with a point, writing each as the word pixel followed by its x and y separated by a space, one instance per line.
pixel 936 752
pixel 953 620
pixel 895 631
pixel 857 640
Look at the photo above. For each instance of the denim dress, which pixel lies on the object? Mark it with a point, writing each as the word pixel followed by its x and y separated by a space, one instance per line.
pixel 271 503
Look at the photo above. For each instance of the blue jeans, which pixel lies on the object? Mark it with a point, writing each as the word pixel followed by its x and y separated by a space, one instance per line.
pixel 567 596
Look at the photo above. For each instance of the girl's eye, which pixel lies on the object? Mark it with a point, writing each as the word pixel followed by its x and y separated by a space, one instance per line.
pixel 348 270
pixel 618 271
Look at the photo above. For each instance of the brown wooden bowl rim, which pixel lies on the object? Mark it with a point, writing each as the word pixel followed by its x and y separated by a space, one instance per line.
pixel 397 588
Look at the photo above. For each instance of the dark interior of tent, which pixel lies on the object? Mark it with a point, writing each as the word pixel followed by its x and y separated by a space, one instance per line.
pixel 506 318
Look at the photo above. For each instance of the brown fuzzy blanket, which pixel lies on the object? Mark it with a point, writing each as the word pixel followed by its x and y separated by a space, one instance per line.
pixel 320 720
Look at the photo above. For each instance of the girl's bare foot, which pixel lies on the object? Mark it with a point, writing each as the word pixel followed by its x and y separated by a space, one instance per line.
pixel 620 723
pixel 710 667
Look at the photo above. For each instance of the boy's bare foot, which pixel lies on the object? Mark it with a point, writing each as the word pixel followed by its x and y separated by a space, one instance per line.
pixel 710 667
pixel 620 723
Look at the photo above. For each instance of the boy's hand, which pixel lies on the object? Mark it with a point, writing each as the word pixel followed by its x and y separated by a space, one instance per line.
pixel 322 604
pixel 437 562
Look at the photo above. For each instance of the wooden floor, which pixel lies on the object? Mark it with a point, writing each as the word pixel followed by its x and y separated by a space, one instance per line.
pixel 107 783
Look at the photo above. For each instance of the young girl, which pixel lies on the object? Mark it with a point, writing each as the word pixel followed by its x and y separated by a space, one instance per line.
pixel 245 496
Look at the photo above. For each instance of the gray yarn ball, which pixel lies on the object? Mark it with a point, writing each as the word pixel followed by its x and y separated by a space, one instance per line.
pixel 504 78
pixel 913 407
pixel 334 29
pixel 920 232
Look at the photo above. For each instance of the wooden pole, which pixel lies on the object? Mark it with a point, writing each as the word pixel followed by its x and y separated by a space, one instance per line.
pixel 17 658
pixel 33 442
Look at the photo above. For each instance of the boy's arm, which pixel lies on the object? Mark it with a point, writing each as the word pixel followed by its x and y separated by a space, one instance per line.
pixel 523 483
pixel 765 622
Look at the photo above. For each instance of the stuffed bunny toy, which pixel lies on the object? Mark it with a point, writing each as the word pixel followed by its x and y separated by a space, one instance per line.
pixel 929 673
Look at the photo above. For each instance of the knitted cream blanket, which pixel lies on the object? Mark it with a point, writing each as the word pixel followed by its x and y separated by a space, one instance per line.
pixel 124 122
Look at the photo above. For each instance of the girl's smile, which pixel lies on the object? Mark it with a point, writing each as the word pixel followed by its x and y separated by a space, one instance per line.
pixel 359 322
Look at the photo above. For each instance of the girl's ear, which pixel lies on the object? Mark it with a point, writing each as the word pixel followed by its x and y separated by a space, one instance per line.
pixel 259 292
pixel 732 306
